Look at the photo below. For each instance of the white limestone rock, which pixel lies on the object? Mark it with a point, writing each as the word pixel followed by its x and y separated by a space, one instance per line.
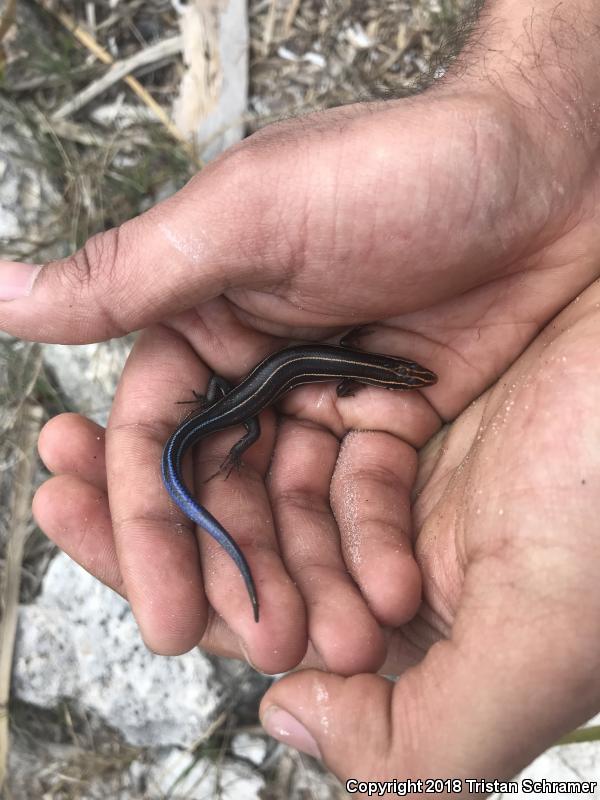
pixel 88 374
pixel 80 642
pixel 182 775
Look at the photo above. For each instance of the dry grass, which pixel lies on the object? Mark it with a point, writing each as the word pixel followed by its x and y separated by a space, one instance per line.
pixel 313 55
pixel 110 159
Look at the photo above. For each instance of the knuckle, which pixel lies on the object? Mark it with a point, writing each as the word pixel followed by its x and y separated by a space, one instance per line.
pixel 93 261
pixel 302 501
pixel 364 693
pixel 92 275
pixel 238 166
pixel 100 255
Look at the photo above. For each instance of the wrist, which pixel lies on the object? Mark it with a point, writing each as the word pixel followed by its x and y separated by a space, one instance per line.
pixel 539 59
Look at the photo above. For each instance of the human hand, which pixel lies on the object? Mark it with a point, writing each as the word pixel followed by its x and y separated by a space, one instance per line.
pixel 286 233
pixel 505 650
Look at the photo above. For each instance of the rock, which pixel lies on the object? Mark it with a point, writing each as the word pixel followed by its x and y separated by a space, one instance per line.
pixel 184 775
pixel 88 374
pixel 250 747
pixel 80 642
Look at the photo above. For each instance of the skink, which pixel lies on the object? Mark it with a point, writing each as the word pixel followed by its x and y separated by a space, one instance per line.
pixel 224 406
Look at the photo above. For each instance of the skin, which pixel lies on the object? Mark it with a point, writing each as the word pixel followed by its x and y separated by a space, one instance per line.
pixel 463 225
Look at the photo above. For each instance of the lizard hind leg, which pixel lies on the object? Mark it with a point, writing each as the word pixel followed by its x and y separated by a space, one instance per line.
pixel 233 459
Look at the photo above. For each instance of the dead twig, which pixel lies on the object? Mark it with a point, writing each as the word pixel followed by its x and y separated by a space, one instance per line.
pixel 88 41
pixel 118 71
pixel 290 16
pixel 269 27
pixel 26 431
pixel 7 20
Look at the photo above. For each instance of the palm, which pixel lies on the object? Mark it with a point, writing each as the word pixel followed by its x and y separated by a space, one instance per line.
pixel 507 515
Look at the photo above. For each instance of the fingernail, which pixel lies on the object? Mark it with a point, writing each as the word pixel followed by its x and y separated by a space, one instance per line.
pixel 16 280
pixel 282 726
pixel 244 649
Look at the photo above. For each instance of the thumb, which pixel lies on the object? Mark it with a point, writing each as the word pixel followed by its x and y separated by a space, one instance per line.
pixel 187 249
pixel 462 713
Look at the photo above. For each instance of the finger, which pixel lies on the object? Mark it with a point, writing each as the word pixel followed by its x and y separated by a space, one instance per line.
pixel 222 230
pixel 72 509
pixel 370 497
pixel 341 628
pixel 60 505
pixel 75 515
pixel 157 548
pixel 370 491
pixel 162 567
pixel 433 720
pixel 72 444
pixel 242 506
pixel 118 282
